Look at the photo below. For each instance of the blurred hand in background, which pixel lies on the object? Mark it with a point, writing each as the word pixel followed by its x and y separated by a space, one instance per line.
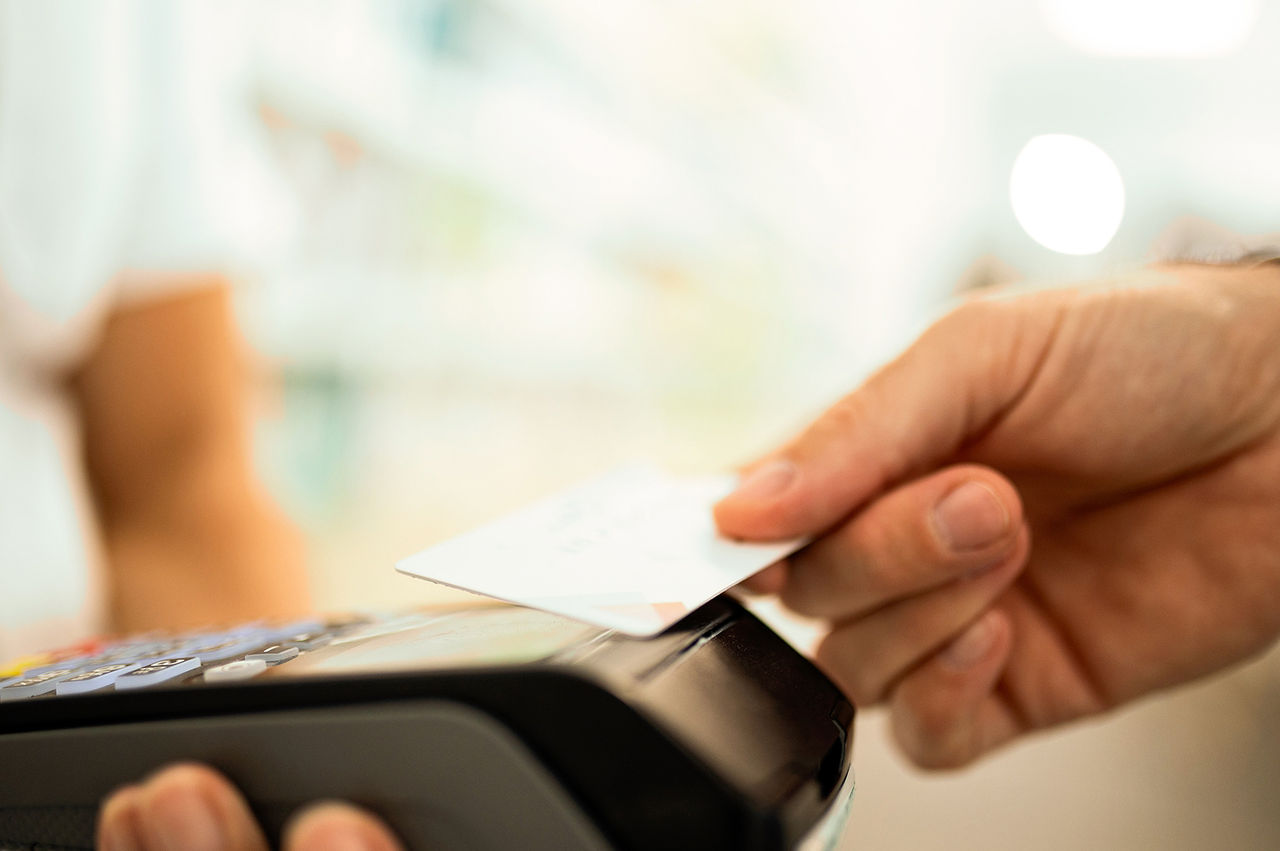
pixel 191 536
pixel 1049 505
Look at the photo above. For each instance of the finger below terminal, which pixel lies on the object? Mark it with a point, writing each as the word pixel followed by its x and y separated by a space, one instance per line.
pixel 193 807
pixel 337 826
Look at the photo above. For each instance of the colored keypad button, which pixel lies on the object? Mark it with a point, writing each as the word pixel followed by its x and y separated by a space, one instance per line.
pixel 87 649
pixel 141 661
pixel 95 678
pixel 34 685
pixel 15 667
pixel 154 673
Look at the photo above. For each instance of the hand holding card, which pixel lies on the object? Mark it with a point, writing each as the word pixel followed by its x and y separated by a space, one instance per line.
pixel 634 550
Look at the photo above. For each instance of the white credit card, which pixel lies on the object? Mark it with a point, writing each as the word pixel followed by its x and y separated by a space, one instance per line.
pixel 634 550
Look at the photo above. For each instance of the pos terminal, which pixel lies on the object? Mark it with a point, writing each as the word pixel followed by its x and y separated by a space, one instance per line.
pixel 492 727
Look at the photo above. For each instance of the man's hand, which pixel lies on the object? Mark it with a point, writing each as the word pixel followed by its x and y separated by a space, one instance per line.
pixel 193 808
pixel 1049 505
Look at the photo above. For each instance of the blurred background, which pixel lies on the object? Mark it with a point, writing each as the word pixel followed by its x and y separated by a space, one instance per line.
pixel 501 245
pixel 495 246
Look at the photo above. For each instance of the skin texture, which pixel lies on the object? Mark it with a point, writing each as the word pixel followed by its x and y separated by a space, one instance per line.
pixel 1051 504
pixel 191 538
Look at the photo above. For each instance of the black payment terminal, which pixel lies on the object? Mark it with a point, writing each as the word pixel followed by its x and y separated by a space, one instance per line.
pixel 491 727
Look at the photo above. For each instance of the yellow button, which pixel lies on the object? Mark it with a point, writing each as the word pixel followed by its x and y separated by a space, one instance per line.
pixel 16 666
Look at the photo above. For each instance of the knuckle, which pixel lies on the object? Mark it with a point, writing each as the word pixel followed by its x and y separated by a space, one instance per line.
pixel 970 314
pixel 797 597
pixel 859 689
pixel 820 601
pixel 828 581
pixel 877 557
pixel 839 421
pixel 895 547
pixel 950 329
pixel 814 585
pixel 868 581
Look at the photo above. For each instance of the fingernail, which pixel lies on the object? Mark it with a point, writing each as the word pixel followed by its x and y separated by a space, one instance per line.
pixel 970 517
pixel 971 647
pixel 765 482
pixel 186 822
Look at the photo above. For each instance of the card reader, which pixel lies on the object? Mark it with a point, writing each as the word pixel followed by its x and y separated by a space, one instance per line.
pixel 492 727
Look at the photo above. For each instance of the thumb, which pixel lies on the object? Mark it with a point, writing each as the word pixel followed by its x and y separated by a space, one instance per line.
pixel 948 388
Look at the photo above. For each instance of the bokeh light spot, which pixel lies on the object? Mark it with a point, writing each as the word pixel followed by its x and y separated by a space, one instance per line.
pixel 1067 194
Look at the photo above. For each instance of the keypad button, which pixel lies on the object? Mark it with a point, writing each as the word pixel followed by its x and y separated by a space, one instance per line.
pixel 242 669
pixel 95 678
pixel 274 654
pixel 154 673
pixel 224 655
pixel 211 651
pixel 79 664
pixel 34 685
pixel 87 649
pixel 16 667
pixel 141 651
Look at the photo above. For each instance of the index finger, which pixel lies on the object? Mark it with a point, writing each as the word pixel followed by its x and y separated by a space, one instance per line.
pixel 918 411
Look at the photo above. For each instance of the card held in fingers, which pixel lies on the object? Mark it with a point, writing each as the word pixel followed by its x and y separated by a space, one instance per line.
pixel 634 550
